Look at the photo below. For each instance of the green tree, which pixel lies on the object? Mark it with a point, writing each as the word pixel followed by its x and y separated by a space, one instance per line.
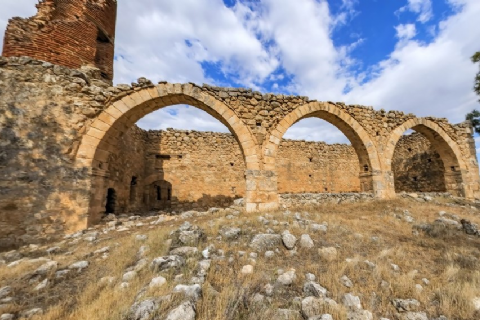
pixel 475 59
pixel 474 116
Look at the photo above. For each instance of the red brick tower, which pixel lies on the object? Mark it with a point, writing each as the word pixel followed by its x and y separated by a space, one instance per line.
pixel 71 33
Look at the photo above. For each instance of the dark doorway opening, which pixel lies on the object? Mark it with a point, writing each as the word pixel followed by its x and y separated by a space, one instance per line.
pixel 111 199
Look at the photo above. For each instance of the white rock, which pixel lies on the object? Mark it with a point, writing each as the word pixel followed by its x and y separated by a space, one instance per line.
pixel 346 281
pixel 157 282
pixel 395 267
pixel 306 241
pixel 42 285
pixel 129 276
pixel 32 312
pixel 141 237
pixel 79 265
pixel 47 268
pixel 269 254
pixel 287 278
pixel 185 311
pixel 102 250
pixel 192 292
pixel 248 269
pixel 289 240
pixel 7 316
pixel 310 277
pixel 351 302
pixel 476 303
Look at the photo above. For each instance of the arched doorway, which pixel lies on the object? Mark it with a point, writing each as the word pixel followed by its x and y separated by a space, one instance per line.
pixel 322 162
pixel 100 141
pixel 454 169
pixel 368 162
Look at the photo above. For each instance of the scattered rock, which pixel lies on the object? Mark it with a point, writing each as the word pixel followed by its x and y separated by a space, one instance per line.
pixel 80 265
pixel 351 302
pixel 230 233
pixel 46 268
pixel 287 278
pixel 264 242
pixel 346 281
pixel 157 282
pixel 193 292
pixel 143 310
pixel 289 240
pixel 403 305
pixel 185 251
pixel 311 288
pixel 306 241
pixel 167 262
pixel 248 269
pixel 185 311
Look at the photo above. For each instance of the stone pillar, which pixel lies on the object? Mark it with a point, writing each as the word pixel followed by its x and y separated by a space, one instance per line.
pixel 454 184
pixel 384 185
pixel 98 196
pixel 261 193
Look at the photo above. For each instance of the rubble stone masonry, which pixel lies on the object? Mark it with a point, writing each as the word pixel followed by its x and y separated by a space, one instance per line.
pixel 67 156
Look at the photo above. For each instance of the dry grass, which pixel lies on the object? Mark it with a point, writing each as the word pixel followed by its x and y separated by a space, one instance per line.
pixel 362 231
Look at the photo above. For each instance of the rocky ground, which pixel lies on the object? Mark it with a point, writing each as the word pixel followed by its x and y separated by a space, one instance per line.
pixel 412 258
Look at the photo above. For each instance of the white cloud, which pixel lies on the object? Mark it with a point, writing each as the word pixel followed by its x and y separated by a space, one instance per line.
pixel 406 31
pixel 429 79
pixel 421 7
pixel 181 117
pixel 170 40
pixel 314 129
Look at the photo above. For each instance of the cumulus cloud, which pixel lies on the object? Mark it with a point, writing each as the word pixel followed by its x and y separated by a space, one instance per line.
pixel 428 78
pixel 173 40
pixel 406 31
pixel 423 8
pixel 181 117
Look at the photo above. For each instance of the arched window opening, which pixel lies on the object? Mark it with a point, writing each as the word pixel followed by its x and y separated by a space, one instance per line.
pixel 169 194
pixel 159 193
pixel 318 145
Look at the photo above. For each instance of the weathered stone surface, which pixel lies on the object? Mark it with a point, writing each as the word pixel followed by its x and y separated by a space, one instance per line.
pixel 167 262
pixel 263 242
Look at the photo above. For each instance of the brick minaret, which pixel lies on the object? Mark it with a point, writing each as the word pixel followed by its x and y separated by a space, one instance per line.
pixel 71 33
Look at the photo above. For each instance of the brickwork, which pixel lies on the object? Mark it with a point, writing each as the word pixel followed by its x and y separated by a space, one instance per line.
pixel 60 131
pixel 71 33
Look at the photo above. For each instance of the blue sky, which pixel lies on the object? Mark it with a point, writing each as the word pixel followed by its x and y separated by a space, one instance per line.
pixel 408 55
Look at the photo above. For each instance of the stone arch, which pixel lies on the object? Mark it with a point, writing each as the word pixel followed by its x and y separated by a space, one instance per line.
pixel 449 151
pixel 101 138
pixel 360 139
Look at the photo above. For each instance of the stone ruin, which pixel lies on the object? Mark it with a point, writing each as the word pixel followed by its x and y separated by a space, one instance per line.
pixel 70 151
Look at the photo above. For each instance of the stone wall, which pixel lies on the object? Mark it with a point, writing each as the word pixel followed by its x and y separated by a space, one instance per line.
pixel 60 131
pixel 305 166
pixel 417 167
pixel 71 33
pixel 206 169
